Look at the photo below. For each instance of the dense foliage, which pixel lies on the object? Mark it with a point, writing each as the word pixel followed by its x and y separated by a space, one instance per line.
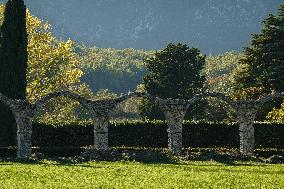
pixel 265 56
pixel 13 64
pixel 174 72
pixel 218 71
pixel 52 66
pixel 122 70
pixel 263 64
pixel 13 50
pixel 264 59
pixel 119 71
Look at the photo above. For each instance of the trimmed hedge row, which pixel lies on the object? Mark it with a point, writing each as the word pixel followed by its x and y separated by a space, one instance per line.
pixel 154 135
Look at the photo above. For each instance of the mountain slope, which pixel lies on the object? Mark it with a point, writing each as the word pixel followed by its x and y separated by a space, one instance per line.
pixel 214 26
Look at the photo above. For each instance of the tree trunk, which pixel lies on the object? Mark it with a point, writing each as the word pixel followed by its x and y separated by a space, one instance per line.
pixel 101 133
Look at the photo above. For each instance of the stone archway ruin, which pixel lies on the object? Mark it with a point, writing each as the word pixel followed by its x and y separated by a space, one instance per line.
pixel 100 112
pixel 246 112
pixel 173 109
pixel 24 112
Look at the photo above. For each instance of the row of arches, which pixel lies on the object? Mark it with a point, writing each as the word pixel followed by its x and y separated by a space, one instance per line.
pixel 173 109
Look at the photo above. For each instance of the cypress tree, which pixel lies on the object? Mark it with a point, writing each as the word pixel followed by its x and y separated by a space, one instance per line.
pixel 13 64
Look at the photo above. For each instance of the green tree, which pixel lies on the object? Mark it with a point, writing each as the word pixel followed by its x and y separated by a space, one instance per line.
pixel 13 63
pixel 265 56
pixel 174 72
pixel 52 66
pixel 218 71
pixel 263 63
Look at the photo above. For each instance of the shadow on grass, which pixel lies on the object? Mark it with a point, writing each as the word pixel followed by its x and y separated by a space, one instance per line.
pixel 224 156
pixel 48 162
pixel 122 155
pixel 150 156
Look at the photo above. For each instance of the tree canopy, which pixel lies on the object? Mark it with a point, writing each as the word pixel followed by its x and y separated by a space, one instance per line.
pixel 13 50
pixel 175 72
pixel 13 62
pixel 263 61
pixel 52 66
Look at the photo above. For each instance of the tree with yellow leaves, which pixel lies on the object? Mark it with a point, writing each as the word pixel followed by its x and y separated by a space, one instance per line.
pixel 52 66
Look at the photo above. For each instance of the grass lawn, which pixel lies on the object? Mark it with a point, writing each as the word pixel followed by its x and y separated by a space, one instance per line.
pixel 60 174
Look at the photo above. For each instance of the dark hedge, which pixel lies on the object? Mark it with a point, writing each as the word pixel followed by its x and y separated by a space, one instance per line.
pixel 154 135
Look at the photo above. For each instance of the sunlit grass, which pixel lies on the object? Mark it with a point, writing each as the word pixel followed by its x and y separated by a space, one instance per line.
pixel 56 174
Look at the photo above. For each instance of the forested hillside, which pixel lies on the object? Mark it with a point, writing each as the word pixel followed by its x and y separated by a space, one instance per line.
pixel 213 26
pixel 119 71
pixel 91 66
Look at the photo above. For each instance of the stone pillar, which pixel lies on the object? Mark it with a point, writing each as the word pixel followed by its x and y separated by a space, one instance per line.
pixel 24 135
pixel 101 133
pixel 246 113
pixel 174 111
pixel 246 139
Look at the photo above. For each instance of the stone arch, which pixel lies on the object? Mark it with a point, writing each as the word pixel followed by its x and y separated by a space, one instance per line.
pixel 99 110
pixel 246 112
pixel 24 112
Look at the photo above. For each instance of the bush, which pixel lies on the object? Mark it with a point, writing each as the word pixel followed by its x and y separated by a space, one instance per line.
pixel 153 134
